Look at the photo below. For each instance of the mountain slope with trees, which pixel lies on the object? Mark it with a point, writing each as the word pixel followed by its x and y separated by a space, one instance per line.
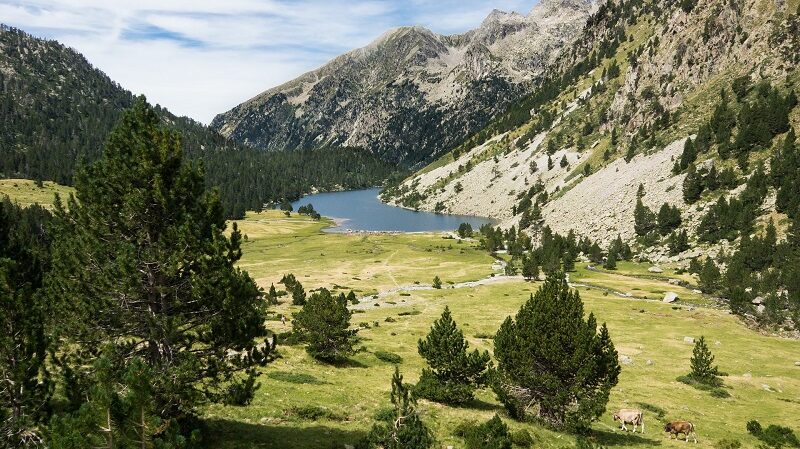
pixel 56 111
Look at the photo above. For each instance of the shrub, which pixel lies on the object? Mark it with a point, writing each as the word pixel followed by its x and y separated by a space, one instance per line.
pixel 314 413
pixel 241 393
pixel 522 438
pixel 492 434
pixel 388 357
pixel 728 444
pixel 774 435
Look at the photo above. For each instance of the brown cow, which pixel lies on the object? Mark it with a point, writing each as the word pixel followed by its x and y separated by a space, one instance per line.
pixel 630 416
pixel 684 427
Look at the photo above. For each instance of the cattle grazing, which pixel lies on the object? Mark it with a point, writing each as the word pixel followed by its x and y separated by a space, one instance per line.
pixel 684 427
pixel 629 416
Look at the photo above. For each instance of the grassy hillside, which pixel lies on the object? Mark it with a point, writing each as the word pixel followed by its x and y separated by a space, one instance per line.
pixel 26 192
pixel 763 381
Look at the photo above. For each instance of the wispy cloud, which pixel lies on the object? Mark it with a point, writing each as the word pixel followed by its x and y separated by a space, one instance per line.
pixel 202 57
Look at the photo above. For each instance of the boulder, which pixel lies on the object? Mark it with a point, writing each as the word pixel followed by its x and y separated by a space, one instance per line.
pixel 625 360
pixel 649 362
pixel 758 300
pixel 655 270
pixel 760 308
pixel 670 297
pixel 673 281
pixel 797 363
pixel 689 340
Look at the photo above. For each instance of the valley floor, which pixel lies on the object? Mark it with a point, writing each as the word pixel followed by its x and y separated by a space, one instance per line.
pixel 763 381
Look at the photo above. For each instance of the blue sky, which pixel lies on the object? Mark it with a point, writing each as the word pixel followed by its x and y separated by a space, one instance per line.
pixel 202 57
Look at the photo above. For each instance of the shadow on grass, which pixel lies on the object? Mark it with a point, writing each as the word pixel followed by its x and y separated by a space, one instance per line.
pixel 477 404
pixel 229 434
pixel 621 438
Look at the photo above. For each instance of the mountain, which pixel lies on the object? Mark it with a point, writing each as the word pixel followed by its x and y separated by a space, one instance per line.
pixel 56 110
pixel 411 94
pixel 642 77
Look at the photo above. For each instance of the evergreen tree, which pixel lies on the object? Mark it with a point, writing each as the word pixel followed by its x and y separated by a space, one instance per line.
pixel 492 434
pixel 692 185
pixel 669 219
pixel 688 156
pixel 272 295
pixel 453 374
pixel 25 385
pixel 709 277
pixel 530 267
pixel 142 263
pixel 351 297
pixel 298 294
pixel 403 428
pixel 324 323
pixel 702 363
pixel 553 362
pixel 465 230
pixel 611 260
pixel 643 218
pixel 678 242
pixel 568 262
pixel 437 283
pixel 563 163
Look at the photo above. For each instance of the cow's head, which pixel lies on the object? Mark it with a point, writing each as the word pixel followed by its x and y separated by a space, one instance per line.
pixel 668 427
pixel 615 416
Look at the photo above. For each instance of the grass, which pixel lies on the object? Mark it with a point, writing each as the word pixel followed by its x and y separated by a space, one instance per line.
pixel 303 403
pixel 25 192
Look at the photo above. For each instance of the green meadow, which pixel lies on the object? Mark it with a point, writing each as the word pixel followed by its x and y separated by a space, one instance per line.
pixel 306 404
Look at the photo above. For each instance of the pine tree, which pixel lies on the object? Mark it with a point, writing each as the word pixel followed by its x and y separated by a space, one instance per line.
pixel 530 267
pixel 643 218
pixel 142 255
pixel 553 361
pixel 669 219
pixel 692 185
pixel 324 323
pixel 452 374
pixel 709 277
pixel 351 297
pixel 298 294
pixel 702 363
pixel 437 283
pixel 272 295
pixel 689 154
pixel 403 428
pixel 611 260
pixel 25 384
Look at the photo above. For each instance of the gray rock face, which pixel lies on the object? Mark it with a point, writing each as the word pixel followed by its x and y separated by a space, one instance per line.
pixel 670 297
pixel 412 93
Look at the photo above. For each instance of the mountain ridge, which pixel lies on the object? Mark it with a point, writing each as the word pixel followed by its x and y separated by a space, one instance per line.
pixel 411 93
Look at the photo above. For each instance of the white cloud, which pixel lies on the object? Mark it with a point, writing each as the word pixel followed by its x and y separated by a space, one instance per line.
pixel 202 57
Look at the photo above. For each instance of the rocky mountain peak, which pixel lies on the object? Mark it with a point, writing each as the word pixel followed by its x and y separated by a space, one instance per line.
pixel 412 93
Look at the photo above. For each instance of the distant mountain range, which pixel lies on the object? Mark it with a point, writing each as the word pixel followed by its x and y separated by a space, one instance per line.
pixel 411 94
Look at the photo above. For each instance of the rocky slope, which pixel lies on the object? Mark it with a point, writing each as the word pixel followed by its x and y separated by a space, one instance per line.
pixel 648 72
pixel 412 93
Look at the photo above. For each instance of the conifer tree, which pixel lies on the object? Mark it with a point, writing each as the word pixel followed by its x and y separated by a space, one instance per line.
pixel 689 154
pixel 530 267
pixel 611 260
pixel 25 385
pixel 351 297
pixel 643 218
pixel 403 428
pixel 702 363
pixel 453 373
pixel 437 282
pixel 709 277
pixel 272 295
pixel 324 323
pixel 298 294
pixel 553 363
pixel 692 185
pixel 142 262
pixel 669 219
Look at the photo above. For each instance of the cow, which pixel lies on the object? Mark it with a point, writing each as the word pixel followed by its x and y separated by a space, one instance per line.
pixel 629 416
pixel 684 427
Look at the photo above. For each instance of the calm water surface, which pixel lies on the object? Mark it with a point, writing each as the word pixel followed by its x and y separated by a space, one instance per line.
pixel 361 210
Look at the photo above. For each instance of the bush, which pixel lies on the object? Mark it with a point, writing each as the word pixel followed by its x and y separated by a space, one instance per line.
pixel 240 393
pixel 388 357
pixel 774 435
pixel 522 438
pixel 728 444
pixel 492 434
pixel 432 389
